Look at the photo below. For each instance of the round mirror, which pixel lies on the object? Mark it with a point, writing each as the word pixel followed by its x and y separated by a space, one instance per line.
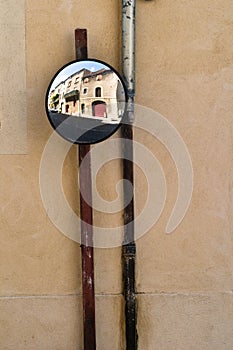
pixel 85 101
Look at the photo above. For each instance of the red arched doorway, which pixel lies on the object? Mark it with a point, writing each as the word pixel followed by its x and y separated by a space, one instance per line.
pixel 99 109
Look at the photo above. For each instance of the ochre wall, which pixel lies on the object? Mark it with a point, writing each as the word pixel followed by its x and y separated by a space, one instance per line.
pixel 184 71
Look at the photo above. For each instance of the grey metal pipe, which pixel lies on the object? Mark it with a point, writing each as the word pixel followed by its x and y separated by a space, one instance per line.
pixel 129 247
pixel 128 42
pixel 128 52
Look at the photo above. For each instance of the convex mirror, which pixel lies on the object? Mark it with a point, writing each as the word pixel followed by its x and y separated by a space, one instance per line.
pixel 85 101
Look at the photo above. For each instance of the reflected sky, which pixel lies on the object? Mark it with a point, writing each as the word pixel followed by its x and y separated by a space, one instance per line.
pixel 93 66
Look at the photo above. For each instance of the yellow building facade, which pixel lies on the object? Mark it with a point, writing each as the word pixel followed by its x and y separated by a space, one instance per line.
pixel 184 70
pixel 86 93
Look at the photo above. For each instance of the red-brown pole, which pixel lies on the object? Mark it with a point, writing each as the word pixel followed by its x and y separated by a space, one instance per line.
pixel 86 223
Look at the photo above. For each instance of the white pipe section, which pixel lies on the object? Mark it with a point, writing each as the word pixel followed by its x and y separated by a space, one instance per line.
pixel 128 52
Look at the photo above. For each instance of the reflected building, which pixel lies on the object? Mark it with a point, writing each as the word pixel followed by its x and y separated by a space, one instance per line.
pixel 98 94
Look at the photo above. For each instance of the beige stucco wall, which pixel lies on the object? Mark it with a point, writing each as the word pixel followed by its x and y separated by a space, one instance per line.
pixel 185 280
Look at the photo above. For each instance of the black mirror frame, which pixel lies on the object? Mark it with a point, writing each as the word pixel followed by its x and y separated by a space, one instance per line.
pixel 117 125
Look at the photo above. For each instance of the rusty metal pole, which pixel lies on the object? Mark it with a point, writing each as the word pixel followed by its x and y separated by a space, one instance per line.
pixel 86 224
pixel 129 246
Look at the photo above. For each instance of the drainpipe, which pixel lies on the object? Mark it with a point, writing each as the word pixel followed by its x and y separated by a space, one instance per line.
pixel 129 247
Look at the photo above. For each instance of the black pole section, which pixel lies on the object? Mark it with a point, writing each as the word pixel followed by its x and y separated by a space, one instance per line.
pixel 129 247
pixel 86 224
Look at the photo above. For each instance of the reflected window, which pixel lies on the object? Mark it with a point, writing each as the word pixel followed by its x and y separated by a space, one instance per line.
pixel 98 92
pixel 69 84
pixel 83 108
pixel 85 91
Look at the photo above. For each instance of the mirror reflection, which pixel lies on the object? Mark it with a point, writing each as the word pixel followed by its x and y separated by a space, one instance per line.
pixel 86 101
